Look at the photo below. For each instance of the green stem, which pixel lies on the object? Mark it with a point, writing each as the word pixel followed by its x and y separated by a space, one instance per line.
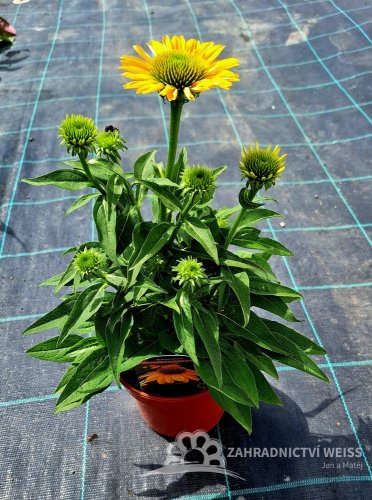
pixel 88 173
pixel 174 127
pixel 234 227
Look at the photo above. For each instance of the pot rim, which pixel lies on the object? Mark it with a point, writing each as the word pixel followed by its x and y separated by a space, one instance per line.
pixel 166 399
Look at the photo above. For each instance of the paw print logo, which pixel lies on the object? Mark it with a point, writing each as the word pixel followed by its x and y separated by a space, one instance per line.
pixel 195 448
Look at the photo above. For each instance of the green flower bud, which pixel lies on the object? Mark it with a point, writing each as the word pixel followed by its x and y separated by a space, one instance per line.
pixel 78 134
pixel 199 180
pixel 88 261
pixel 262 167
pixel 109 143
pixel 189 270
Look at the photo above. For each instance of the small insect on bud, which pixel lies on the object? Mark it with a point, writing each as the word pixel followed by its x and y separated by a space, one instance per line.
pixel 109 143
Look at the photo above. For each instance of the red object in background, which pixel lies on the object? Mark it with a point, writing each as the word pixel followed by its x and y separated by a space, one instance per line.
pixel 6 29
pixel 171 415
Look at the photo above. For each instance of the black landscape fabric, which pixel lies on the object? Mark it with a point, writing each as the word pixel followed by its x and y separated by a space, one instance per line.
pixel 305 83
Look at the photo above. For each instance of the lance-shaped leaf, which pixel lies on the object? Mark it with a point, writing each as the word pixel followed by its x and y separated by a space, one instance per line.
pixel 265 392
pixel 53 319
pixel 138 353
pixel 114 189
pixel 165 193
pixel 264 244
pixel 144 166
pixel 106 227
pixel 241 413
pixel 305 344
pixel 80 202
pixel 240 372
pixel 183 325
pixel 239 283
pixel 275 305
pixel 207 328
pixel 70 180
pixel 202 234
pixel 158 236
pixel 116 332
pixel 262 287
pixel 50 351
pixel 87 304
pixel 251 217
pixel 92 375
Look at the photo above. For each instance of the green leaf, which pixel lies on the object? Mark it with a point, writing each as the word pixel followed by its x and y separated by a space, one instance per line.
pixel 93 374
pixel 265 392
pixel 250 351
pixel 240 372
pixel 264 244
pixel 262 287
pixel 140 353
pixel 179 165
pixel 164 193
pixel 202 234
pixel 158 236
pixel 56 318
pixel 241 413
pixel 116 333
pixel 106 227
pixel 53 281
pixel 83 347
pixel 207 328
pixel 144 166
pixel 256 332
pixel 251 217
pixel 228 387
pixel 239 283
pixel 103 169
pixel 70 180
pixel 50 351
pixel 305 344
pixel 275 305
pixel 298 359
pixel 114 189
pixel 184 326
pixel 80 202
pixel 87 304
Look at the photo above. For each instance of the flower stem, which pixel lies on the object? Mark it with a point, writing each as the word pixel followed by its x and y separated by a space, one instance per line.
pixel 174 127
pixel 252 193
pixel 88 173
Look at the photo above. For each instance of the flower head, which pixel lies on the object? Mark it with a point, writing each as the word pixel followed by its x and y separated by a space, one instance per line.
pixel 167 374
pixel 109 143
pixel 199 180
pixel 178 68
pixel 189 270
pixel 88 261
pixel 262 166
pixel 78 134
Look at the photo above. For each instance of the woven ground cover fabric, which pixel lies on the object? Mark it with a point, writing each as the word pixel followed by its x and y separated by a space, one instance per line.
pixel 305 83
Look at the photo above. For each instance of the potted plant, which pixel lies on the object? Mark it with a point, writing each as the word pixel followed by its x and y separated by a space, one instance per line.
pixel 182 284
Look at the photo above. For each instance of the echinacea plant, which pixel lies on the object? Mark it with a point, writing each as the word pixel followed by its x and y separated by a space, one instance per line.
pixel 175 284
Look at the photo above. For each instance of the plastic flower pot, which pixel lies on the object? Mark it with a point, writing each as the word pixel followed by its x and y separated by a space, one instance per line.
pixel 171 415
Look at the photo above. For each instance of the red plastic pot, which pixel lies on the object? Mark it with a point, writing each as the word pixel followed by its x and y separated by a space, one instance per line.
pixel 171 415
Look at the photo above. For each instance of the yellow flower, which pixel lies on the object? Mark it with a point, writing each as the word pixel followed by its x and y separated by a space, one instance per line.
pixel 178 68
pixel 262 166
